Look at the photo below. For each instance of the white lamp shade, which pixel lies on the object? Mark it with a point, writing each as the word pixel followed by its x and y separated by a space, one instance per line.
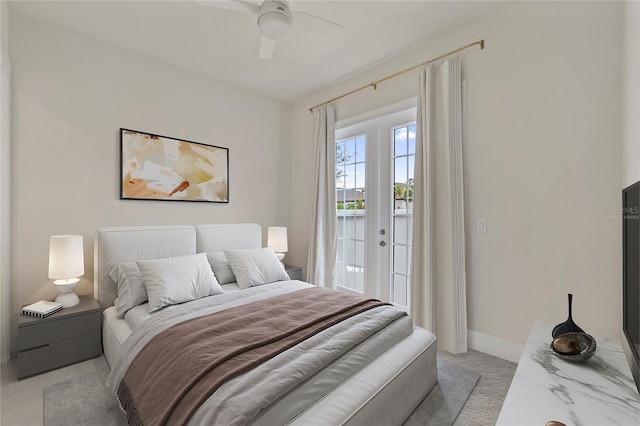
pixel 277 239
pixel 66 258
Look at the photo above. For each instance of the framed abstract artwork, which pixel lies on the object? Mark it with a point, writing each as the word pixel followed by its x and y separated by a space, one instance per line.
pixel 155 167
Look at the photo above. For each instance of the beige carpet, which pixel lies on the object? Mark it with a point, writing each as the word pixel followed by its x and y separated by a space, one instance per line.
pixel 443 404
pixel 485 402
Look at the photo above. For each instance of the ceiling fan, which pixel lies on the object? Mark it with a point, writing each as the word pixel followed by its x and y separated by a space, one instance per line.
pixel 275 20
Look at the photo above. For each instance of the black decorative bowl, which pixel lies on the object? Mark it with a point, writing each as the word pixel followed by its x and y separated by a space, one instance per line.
pixel 574 346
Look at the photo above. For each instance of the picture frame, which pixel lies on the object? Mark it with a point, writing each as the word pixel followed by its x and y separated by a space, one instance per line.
pixel 162 168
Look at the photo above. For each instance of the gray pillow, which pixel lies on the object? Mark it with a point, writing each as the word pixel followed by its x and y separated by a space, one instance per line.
pixel 221 268
pixel 131 289
pixel 178 279
pixel 256 266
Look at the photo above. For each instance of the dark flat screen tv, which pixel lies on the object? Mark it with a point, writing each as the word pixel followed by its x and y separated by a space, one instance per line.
pixel 631 272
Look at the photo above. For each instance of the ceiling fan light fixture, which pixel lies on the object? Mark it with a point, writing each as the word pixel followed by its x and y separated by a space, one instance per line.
pixel 276 23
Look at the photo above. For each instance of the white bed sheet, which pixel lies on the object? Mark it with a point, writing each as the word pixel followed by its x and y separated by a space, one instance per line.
pixel 135 316
pixel 115 331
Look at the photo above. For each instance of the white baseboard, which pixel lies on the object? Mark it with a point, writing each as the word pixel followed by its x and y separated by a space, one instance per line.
pixel 494 346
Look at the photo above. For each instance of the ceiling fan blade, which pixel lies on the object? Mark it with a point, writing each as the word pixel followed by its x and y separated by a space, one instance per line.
pixel 242 6
pixel 315 23
pixel 266 48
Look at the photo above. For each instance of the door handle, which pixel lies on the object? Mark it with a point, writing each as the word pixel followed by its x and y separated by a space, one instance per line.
pixel 383 244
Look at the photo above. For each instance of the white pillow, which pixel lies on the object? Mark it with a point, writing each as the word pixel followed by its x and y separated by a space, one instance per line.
pixel 221 268
pixel 256 266
pixel 131 289
pixel 178 279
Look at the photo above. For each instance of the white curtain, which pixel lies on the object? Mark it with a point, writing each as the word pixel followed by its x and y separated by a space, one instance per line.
pixel 323 241
pixel 438 279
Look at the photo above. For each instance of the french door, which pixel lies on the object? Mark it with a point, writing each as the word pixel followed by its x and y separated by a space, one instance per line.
pixel 374 194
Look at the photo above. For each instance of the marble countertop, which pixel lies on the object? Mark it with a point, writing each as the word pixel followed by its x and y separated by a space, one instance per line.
pixel 599 391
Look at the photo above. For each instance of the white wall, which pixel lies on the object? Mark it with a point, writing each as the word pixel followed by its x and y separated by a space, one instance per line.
pixel 5 163
pixel 631 93
pixel 71 94
pixel 542 162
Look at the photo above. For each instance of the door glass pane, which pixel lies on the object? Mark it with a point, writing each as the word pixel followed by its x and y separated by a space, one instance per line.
pixel 400 260
pixel 400 141
pixel 412 138
pixel 403 165
pixel 400 174
pixel 340 271
pixel 360 175
pixel 340 153
pixel 360 229
pixel 400 290
pixel 350 209
pixel 400 230
pixel 410 165
pixel 350 151
pixel 360 152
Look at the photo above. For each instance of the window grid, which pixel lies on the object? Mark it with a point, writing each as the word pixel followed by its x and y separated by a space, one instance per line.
pixel 402 190
pixel 350 206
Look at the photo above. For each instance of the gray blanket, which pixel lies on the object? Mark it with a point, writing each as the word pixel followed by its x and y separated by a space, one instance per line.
pixel 251 396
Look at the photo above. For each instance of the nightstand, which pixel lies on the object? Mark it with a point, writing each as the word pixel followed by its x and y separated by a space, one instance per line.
pixel 66 337
pixel 295 272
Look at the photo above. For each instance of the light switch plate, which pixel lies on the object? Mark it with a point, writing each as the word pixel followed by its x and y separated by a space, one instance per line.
pixel 481 226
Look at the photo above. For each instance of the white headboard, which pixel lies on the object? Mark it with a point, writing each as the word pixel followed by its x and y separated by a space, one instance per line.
pixel 116 245
pixel 212 238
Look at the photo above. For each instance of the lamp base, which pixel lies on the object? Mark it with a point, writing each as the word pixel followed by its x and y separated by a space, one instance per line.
pixel 280 256
pixel 68 299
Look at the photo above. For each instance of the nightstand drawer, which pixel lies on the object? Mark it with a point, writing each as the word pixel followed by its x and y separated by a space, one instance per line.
pixel 40 334
pixel 58 354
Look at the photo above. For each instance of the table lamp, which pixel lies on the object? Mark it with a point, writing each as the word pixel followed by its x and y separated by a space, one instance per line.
pixel 66 264
pixel 277 240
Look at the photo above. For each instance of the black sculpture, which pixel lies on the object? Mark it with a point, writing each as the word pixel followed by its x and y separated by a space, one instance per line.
pixel 568 326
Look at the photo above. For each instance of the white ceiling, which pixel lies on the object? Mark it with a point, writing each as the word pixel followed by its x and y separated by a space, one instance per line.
pixel 223 44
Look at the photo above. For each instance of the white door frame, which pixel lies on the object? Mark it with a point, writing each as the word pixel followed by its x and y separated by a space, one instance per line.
pixel 374 124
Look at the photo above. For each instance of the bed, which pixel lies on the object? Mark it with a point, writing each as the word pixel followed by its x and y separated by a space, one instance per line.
pixel 379 380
